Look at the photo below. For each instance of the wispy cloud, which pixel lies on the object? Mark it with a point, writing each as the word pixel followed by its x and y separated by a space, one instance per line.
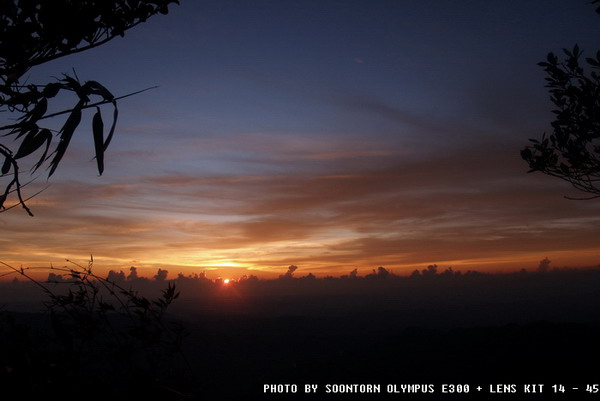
pixel 460 208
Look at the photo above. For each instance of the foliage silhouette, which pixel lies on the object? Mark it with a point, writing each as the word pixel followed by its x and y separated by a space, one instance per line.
pixel 572 152
pixel 101 336
pixel 33 32
pixel 289 273
pixel 544 265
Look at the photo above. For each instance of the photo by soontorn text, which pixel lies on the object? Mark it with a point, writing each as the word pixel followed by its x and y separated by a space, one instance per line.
pixel 533 388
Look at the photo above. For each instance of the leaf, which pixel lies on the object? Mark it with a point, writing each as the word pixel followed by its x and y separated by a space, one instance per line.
pixel 98 131
pixel 6 165
pixel 96 88
pixel 32 142
pixel 74 85
pixel 526 154
pixel 25 129
pixel 66 133
pixel 39 110
pixel 51 89
pixel 112 128
pixel 48 138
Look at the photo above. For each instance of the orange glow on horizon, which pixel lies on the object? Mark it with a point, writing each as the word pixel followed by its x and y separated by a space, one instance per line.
pixel 234 270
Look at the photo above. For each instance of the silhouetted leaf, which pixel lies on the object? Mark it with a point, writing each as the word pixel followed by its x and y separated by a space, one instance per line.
pixel 51 89
pixel 38 111
pixel 526 154
pixel 32 142
pixel 66 133
pixel 112 128
pixel 96 88
pixel 6 166
pixel 47 135
pixel 98 131
pixel 74 85
pixel 25 129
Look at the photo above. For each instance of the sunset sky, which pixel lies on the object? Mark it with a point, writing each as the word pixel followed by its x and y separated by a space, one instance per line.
pixel 331 135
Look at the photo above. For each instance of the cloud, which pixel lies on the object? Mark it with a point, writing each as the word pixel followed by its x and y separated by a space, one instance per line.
pixel 325 205
pixel 366 103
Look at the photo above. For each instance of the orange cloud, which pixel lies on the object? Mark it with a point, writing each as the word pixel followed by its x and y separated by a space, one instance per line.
pixel 326 214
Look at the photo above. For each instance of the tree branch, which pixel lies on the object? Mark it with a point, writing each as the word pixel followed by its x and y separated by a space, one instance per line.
pixel 88 106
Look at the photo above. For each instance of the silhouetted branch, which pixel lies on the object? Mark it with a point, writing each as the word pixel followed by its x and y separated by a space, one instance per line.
pixel 572 151
pixel 38 31
pixel 100 103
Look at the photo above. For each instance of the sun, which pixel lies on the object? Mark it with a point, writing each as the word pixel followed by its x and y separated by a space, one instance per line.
pixel 226 281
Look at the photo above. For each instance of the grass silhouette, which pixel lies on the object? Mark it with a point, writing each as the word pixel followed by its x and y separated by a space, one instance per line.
pixel 95 340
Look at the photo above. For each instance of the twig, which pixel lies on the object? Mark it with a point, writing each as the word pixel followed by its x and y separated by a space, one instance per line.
pixel 100 103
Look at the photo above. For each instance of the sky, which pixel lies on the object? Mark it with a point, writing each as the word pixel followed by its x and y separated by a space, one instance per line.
pixel 331 135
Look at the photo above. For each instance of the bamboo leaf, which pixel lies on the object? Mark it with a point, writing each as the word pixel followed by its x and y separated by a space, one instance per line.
pixel 98 89
pixel 47 135
pixel 30 144
pixel 112 128
pixel 25 129
pixel 39 110
pixel 66 133
pixel 74 85
pixel 98 131
pixel 6 165
pixel 51 89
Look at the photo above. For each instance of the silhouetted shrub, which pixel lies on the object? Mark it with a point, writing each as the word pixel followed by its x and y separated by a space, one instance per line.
pixel 96 340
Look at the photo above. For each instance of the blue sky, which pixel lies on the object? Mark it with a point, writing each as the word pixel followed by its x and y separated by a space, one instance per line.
pixel 326 134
